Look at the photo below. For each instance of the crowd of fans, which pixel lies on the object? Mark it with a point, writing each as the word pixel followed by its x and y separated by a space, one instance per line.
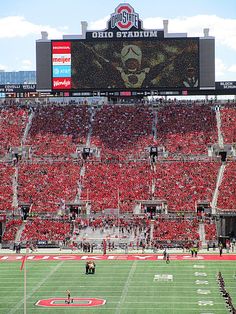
pixel 183 184
pixel 45 230
pixel 210 230
pixel 186 129
pixel 116 185
pixel 227 189
pixel 228 124
pixel 11 229
pixel 45 186
pixel 13 121
pixel 176 230
pixel 57 130
pixel 6 189
pixel 122 131
pixel 127 224
pixel 123 174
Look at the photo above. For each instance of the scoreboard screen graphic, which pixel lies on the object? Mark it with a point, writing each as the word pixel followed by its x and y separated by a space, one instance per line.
pixel 125 64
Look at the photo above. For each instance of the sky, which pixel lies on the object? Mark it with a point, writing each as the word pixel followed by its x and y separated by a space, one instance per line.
pixel 21 23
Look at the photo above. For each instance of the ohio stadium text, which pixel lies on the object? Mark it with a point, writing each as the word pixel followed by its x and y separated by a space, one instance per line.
pixel 126 34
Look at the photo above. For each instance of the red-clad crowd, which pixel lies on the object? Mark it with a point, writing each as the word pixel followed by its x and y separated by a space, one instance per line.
pixel 186 128
pixel 210 230
pixel 45 230
pixel 122 131
pixel 57 130
pixel 123 174
pixel 138 228
pixel 227 189
pixel 176 230
pixel 183 184
pixel 11 229
pixel 44 186
pixel 6 188
pixel 117 185
pixel 13 121
pixel 228 123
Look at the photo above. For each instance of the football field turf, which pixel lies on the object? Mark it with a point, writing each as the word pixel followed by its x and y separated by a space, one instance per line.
pixel 127 286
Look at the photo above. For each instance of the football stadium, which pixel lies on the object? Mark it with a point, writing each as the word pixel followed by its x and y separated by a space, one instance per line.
pixel 118 196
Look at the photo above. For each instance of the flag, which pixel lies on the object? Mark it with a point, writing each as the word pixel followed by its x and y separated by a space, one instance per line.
pixel 23 262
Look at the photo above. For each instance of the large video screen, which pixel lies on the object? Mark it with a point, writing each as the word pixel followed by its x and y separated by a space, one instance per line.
pixel 126 64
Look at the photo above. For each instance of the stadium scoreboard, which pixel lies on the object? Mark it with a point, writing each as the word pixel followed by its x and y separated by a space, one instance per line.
pixel 125 60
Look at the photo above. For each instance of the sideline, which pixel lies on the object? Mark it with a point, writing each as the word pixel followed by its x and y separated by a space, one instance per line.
pixel 115 257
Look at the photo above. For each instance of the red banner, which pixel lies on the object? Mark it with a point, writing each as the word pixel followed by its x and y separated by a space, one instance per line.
pixel 62 83
pixel 61 47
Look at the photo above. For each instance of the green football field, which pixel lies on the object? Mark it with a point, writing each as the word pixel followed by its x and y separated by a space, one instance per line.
pixel 127 286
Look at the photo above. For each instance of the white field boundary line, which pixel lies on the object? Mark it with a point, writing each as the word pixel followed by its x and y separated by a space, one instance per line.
pixel 21 302
pixel 186 310
pixel 126 287
pixel 47 292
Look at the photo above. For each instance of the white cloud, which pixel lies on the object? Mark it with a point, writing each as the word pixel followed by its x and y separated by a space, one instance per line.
pixel 220 68
pixel 99 24
pixel 194 26
pixel 18 26
pixel 26 65
pixel 232 68
pixel 3 67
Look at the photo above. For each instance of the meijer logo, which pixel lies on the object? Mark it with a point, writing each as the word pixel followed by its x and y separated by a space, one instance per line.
pixel 124 17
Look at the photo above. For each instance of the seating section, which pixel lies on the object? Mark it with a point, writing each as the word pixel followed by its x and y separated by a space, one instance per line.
pixel 45 230
pixel 57 130
pixel 104 182
pixel 183 184
pixel 228 124
pixel 227 189
pixel 6 190
pixel 186 129
pixel 44 186
pixel 123 173
pixel 176 230
pixel 122 131
pixel 11 229
pixel 210 231
pixel 13 120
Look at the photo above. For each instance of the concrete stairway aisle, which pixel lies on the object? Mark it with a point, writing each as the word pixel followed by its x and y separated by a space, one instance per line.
pixel 27 128
pixel 15 189
pixel 216 192
pixel 202 234
pixel 220 136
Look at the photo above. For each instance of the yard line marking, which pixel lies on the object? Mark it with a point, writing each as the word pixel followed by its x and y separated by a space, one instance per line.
pixel 126 287
pixel 21 302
